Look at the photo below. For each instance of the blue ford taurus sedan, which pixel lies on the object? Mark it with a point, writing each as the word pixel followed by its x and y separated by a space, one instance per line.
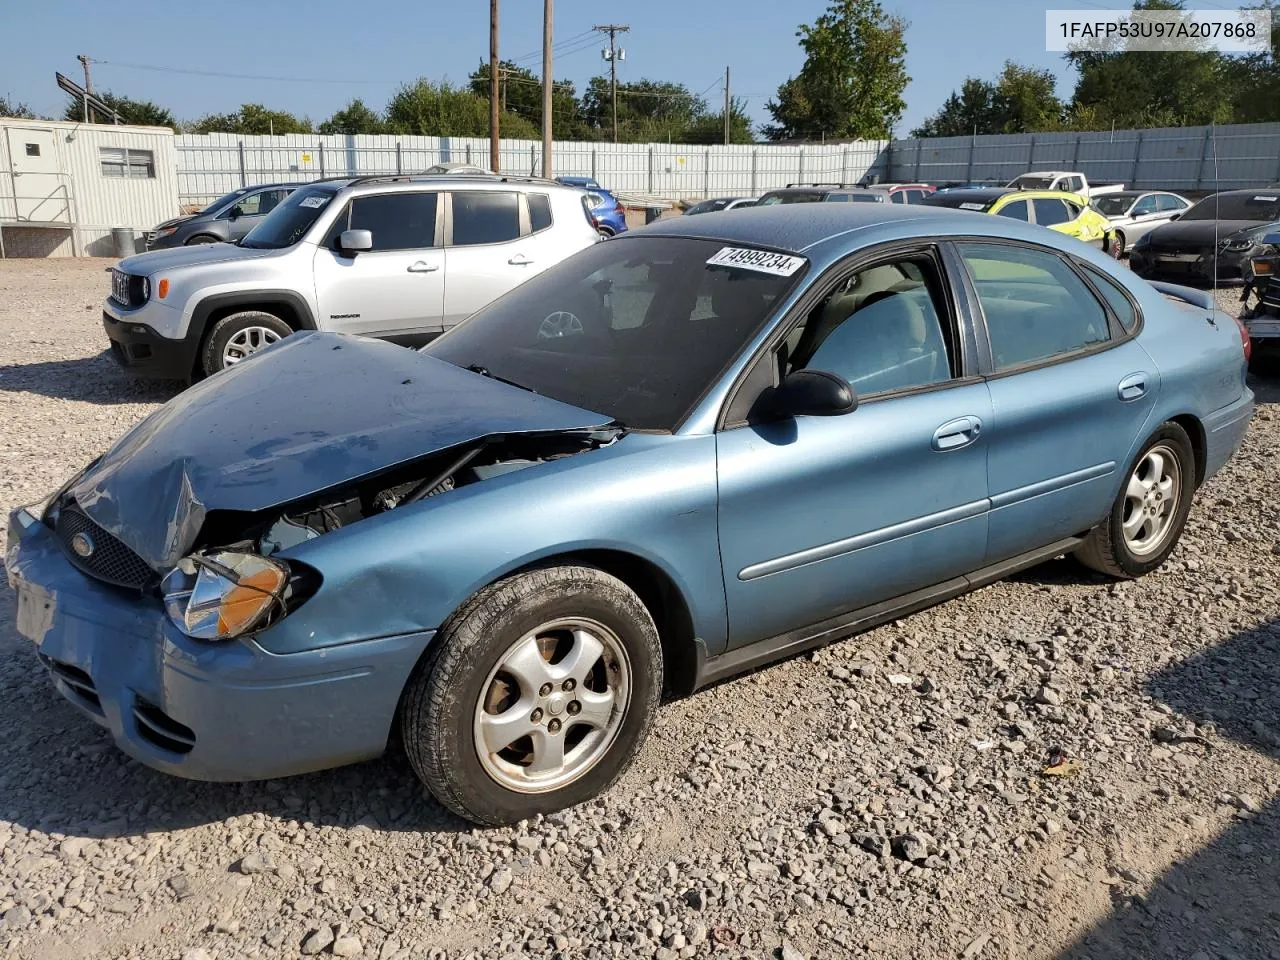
pixel 672 458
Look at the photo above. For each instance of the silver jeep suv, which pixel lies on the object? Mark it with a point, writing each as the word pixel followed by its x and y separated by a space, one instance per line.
pixel 400 258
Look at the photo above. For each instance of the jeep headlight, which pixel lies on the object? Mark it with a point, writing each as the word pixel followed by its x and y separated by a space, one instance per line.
pixel 221 594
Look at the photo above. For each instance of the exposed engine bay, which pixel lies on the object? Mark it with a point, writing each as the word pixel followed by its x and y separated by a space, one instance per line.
pixel 441 473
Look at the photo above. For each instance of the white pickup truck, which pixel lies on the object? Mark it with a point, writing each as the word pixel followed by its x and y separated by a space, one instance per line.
pixel 1066 180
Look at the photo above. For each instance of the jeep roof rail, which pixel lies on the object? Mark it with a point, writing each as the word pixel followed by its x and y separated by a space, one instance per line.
pixel 842 186
pixel 464 177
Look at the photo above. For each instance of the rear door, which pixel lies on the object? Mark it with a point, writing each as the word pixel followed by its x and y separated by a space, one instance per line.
pixel 491 249
pixel 395 290
pixel 1071 392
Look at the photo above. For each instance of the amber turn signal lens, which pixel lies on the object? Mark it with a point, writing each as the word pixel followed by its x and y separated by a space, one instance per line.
pixel 163 289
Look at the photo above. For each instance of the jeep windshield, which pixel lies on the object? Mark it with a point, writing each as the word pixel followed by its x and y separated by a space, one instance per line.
pixel 290 220
pixel 636 329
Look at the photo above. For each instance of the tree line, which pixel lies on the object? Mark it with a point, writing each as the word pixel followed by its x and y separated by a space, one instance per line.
pixel 851 86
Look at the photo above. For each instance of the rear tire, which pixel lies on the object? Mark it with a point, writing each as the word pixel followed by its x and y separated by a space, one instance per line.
pixel 1150 511
pixel 239 335
pixel 535 696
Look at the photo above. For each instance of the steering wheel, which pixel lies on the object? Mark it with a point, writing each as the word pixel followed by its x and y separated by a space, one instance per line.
pixel 561 323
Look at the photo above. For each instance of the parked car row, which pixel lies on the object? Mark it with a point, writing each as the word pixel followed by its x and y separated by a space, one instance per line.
pixel 501 550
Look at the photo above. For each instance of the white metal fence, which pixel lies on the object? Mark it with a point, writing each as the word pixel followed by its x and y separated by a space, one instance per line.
pixel 210 165
pixel 1175 158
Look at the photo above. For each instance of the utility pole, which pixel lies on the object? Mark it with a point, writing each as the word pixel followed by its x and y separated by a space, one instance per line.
pixel 613 55
pixel 728 105
pixel 495 160
pixel 547 83
pixel 85 60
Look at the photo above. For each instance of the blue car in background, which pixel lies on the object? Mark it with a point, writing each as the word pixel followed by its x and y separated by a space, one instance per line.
pixel 668 459
pixel 608 214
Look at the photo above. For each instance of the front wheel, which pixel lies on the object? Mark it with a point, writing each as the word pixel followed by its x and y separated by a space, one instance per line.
pixel 238 336
pixel 535 696
pixel 1150 511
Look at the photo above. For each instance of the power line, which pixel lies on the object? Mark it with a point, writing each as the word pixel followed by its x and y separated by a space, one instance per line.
pixel 558 47
pixel 235 76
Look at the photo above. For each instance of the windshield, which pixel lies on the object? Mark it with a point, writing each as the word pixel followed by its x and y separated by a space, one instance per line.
pixel 636 329
pixel 290 220
pixel 1262 206
pixel 1115 205
pixel 769 199
pixel 1033 183
pixel 224 199
pixel 707 206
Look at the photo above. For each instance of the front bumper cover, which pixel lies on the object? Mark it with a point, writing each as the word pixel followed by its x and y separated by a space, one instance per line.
pixel 228 711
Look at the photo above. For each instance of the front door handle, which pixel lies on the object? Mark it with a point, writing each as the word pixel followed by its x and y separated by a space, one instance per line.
pixel 520 260
pixel 955 434
pixel 1132 387
pixel 422 266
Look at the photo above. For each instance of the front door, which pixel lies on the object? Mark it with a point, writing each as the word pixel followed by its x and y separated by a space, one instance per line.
pixel 395 290
pixel 1071 393
pixel 823 515
pixel 247 212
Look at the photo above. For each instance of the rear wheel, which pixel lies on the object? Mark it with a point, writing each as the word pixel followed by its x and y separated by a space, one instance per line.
pixel 238 336
pixel 535 696
pixel 1150 511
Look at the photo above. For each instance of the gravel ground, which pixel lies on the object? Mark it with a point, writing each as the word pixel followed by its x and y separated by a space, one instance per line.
pixel 884 797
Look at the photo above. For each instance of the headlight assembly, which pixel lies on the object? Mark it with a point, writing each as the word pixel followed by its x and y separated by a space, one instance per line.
pixel 1237 244
pixel 166 232
pixel 221 594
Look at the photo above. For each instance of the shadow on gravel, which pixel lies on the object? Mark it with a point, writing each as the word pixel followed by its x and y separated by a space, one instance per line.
pixel 93 379
pixel 1223 901
pixel 61 774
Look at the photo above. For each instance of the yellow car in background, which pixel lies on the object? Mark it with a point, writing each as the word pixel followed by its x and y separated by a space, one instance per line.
pixel 1067 213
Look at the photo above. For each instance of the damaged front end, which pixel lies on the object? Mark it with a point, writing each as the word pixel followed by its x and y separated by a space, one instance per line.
pixel 232 582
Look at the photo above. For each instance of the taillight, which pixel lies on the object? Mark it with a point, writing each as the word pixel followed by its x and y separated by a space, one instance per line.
pixel 1244 338
pixel 618 209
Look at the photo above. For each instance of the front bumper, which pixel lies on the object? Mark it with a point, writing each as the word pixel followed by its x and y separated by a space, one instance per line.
pixel 144 353
pixel 228 711
pixel 1233 267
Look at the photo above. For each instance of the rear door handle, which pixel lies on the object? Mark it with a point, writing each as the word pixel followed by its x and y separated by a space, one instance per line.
pixel 422 266
pixel 520 260
pixel 1132 387
pixel 957 433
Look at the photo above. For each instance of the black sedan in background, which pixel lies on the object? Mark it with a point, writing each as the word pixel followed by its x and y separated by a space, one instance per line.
pixel 1226 228
pixel 226 220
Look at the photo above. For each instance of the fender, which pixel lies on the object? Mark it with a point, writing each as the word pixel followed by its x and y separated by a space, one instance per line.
pixel 218 302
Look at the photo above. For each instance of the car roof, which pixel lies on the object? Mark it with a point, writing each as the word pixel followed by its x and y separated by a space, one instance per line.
pixel 794 228
pixel 983 193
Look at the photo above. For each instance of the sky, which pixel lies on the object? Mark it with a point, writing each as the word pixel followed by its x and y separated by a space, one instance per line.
pixel 326 52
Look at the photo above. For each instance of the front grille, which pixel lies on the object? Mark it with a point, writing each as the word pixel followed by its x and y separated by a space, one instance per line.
pixel 109 559
pixel 120 287
pixel 77 681
pixel 161 730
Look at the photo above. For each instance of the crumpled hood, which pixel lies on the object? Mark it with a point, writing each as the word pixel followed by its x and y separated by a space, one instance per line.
pixel 1199 233
pixel 312 412
pixel 155 261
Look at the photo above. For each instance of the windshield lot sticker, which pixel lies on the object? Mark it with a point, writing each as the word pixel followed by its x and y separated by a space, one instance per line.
pixel 313 202
pixel 762 261
pixel 972 206
pixel 1267 199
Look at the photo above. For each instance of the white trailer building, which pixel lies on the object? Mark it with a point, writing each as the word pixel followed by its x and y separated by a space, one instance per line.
pixel 65 186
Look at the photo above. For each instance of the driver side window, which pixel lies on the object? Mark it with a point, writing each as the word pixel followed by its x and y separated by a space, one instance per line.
pixel 881 329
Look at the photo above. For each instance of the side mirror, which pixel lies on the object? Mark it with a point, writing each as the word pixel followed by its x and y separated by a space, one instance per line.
pixel 235 213
pixel 814 393
pixel 1174 217
pixel 355 241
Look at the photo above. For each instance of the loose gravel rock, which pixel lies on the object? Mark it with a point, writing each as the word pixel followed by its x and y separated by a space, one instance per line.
pixel 1054 766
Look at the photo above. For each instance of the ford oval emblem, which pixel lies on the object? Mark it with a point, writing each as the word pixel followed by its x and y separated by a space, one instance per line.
pixel 82 544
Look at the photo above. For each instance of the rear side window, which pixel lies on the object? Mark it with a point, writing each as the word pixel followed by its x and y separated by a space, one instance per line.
pixel 398 221
pixel 1050 210
pixel 1120 304
pixel 1017 210
pixel 1167 202
pixel 898 197
pixel 1036 307
pixel 485 216
pixel 539 211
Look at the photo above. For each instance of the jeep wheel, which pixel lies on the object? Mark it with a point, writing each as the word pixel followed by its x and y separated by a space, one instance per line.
pixel 239 335
pixel 535 696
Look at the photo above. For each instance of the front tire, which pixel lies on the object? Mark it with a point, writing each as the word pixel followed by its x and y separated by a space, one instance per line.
pixel 1150 512
pixel 200 239
pixel 535 696
pixel 240 335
